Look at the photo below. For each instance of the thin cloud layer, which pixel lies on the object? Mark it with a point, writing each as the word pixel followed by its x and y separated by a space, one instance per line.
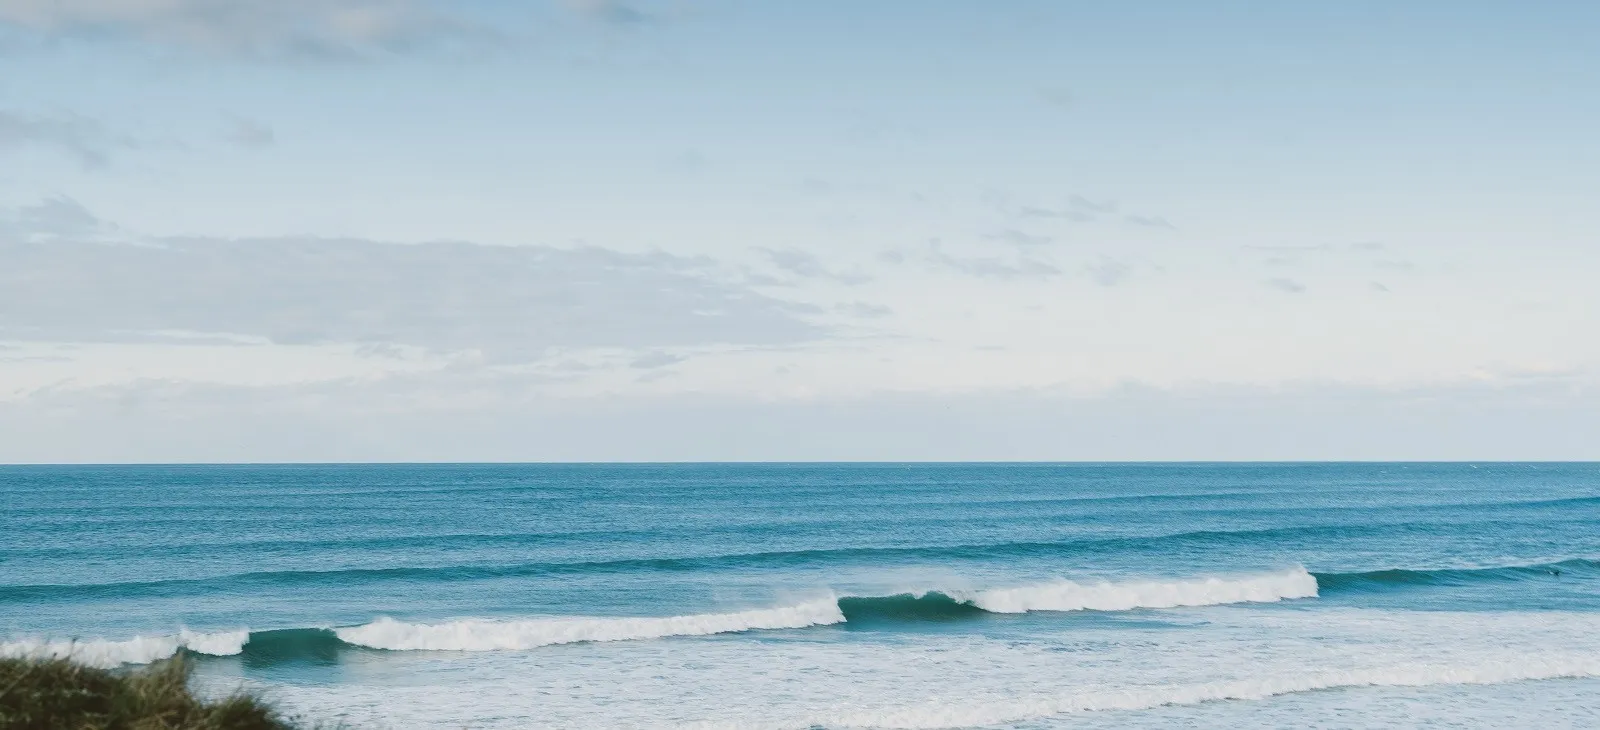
pixel 983 267
pixel 1289 286
pixel 510 303
pixel 420 419
pixel 614 12
pixel 250 134
pixel 54 217
pixel 251 28
pixel 807 265
pixel 84 139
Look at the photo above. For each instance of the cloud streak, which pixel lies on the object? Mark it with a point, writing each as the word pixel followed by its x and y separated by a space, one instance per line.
pixel 1288 286
pixel 250 134
pixel 1148 221
pixel 612 12
pixel 510 303
pixel 85 139
pixel 314 29
pixel 54 217
pixel 1108 271
pixel 987 267
pixel 1020 238
pixel 806 265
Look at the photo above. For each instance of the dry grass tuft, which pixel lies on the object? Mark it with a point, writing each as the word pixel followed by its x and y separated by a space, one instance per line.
pixel 57 693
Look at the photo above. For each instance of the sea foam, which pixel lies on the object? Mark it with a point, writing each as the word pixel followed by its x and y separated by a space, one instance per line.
pixel 1066 595
pixel 137 650
pixel 1015 710
pixel 487 635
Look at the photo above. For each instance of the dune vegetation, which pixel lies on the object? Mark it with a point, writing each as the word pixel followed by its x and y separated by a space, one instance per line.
pixel 58 693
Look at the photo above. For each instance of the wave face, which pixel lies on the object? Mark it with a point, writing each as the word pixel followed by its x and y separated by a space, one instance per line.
pixel 1066 595
pixel 1399 579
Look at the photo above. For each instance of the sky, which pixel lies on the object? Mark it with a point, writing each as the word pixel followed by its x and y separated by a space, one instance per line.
pixel 597 230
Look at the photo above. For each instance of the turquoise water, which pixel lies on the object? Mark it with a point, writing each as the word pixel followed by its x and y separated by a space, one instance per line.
pixel 798 596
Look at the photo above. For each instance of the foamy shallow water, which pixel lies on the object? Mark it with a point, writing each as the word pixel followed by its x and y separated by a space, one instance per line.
pixel 1057 675
pixel 833 596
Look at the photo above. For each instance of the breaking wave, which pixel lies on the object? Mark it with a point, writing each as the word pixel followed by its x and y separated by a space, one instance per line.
pixel 137 650
pixel 485 635
pixel 1068 595
pixel 324 644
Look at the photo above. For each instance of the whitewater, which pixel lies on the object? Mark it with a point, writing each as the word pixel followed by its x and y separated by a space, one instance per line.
pixel 506 635
pixel 834 596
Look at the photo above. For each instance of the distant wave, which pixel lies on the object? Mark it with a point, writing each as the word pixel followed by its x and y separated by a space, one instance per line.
pixel 762 559
pixel 501 635
pixel 1363 525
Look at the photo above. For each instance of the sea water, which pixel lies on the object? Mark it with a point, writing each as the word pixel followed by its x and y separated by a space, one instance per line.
pixel 829 595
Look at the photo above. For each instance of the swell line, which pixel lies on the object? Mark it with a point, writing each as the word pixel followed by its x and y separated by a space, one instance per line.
pixel 475 634
pixel 754 560
pixel 1381 580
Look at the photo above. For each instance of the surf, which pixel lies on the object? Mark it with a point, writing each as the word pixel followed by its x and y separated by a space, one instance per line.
pixel 483 634
pixel 490 635
pixel 136 650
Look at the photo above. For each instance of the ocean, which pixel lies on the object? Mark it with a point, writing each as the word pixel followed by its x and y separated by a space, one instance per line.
pixel 829 595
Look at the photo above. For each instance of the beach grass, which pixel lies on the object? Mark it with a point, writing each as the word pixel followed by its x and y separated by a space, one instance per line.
pixel 59 693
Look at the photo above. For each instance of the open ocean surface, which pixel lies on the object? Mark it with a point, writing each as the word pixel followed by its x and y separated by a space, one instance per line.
pixel 830 596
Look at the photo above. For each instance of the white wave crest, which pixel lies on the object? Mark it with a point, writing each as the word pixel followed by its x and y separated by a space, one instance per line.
pixel 487 635
pixel 137 650
pixel 1017 710
pixel 494 635
pixel 1066 595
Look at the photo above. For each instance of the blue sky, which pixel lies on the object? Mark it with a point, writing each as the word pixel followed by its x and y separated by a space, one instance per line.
pixel 716 230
